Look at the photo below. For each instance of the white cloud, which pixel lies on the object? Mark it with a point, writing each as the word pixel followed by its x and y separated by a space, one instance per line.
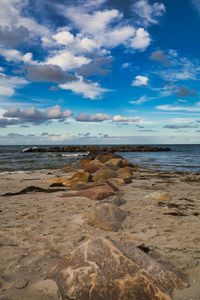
pixel 119 118
pixel 16 56
pixel 88 89
pixel 56 112
pixel 148 14
pixel 141 40
pixel 99 27
pixel 126 65
pixel 66 60
pixel 59 138
pixel 140 100
pixel 140 81
pixel 63 38
pixel 11 16
pixel 8 84
pixel 168 107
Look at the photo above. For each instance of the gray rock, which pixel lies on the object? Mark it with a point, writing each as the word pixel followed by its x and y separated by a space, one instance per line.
pixel 105 216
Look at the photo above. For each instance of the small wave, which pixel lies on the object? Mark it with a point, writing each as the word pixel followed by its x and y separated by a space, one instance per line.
pixel 75 154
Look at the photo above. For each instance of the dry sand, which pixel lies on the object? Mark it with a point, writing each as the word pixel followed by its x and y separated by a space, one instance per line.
pixel 38 228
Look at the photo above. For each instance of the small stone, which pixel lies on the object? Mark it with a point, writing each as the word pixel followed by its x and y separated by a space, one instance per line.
pixel 159 196
pixel 118 201
pixel 21 283
pixel 21 213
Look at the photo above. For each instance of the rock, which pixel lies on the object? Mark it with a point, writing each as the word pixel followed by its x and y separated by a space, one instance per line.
pixel 21 283
pixel 82 176
pixel 67 169
pixel 104 157
pixel 87 185
pixel 98 192
pixel 105 216
pixel 42 290
pixel 77 165
pixel 127 180
pixel 104 174
pixel 126 163
pixel 94 166
pixel 124 173
pixel 21 213
pixel 84 161
pixel 159 196
pixel 78 178
pixel 117 181
pixel 56 180
pixel 118 201
pixel 114 163
pixel 101 269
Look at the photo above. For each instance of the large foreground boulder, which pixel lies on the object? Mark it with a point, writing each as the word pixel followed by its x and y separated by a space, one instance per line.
pixel 105 216
pixel 100 269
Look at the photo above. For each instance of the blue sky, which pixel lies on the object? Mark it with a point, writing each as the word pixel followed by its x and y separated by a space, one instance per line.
pixel 99 72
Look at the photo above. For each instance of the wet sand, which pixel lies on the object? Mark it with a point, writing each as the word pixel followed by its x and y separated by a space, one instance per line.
pixel 38 228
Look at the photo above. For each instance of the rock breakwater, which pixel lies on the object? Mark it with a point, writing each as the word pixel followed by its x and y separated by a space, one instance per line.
pixel 99 149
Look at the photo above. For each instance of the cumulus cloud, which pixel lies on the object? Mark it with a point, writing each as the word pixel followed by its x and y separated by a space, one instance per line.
pixel 141 40
pixel 119 118
pixel 148 14
pixel 36 116
pixel 12 36
pixel 49 73
pixel 66 60
pixel 106 28
pixel 140 81
pixel 16 56
pixel 8 84
pixel 88 89
pixel 160 56
pixel 82 117
pixel 98 66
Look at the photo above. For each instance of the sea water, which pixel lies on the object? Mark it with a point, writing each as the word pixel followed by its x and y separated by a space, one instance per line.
pixel 181 158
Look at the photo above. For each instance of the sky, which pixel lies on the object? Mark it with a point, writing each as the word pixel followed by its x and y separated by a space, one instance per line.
pixel 99 72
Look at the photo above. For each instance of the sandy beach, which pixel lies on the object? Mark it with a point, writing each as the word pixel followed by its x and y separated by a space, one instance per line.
pixel 38 227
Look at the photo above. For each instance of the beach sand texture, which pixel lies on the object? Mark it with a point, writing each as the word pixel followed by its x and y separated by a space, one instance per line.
pixel 38 228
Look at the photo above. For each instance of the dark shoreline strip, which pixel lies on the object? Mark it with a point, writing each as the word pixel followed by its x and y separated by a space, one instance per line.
pixel 99 149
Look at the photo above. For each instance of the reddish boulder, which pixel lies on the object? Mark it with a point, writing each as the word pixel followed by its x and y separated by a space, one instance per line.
pixel 101 269
pixel 98 192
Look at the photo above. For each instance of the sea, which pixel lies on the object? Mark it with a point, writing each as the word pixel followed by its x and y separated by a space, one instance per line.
pixel 180 158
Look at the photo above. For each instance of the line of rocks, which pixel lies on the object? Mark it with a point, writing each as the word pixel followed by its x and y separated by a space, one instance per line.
pixel 100 268
pixel 99 149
